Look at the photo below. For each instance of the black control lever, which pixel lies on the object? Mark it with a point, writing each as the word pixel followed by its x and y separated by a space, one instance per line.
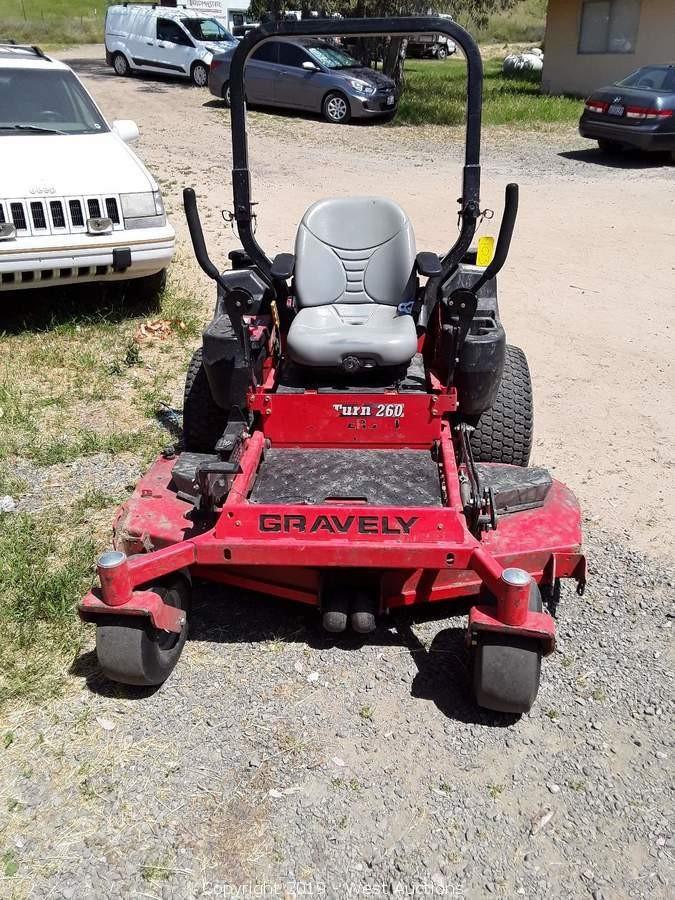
pixel 504 238
pixel 197 236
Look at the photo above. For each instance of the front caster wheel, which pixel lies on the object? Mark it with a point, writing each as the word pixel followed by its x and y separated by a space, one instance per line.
pixel 506 670
pixel 131 651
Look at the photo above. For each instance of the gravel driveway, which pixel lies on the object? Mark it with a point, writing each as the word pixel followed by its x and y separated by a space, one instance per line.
pixel 279 763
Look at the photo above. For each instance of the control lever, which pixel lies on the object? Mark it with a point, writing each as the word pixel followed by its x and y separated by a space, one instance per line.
pixel 504 239
pixel 197 237
pixel 236 300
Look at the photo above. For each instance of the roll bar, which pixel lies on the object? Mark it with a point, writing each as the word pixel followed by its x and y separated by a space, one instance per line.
pixel 241 186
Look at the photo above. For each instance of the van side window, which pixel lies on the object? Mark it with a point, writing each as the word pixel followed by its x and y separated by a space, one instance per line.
pixel 171 31
pixel 266 52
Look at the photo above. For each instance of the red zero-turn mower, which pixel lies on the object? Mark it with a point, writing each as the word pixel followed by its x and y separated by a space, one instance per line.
pixel 354 439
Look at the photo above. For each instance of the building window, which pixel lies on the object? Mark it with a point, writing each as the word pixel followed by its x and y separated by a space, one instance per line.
pixel 609 26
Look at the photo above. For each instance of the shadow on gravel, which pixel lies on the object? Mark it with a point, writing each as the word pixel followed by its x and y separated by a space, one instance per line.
pixel 228 617
pixel 70 305
pixel 443 676
pixel 626 160
pixel 302 114
pixel 86 667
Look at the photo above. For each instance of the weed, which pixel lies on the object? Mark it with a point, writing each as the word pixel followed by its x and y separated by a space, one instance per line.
pixel 9 863
pixel 155 871
pixel 495 790
pixel 366 713
pixel 553 714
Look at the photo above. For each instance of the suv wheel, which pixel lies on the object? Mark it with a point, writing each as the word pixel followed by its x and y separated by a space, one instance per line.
pixel 336 108
pixel 441 53
pixel 120 64
pixel 200 74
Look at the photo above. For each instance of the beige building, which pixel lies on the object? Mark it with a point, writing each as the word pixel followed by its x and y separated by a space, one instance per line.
pixel 590 43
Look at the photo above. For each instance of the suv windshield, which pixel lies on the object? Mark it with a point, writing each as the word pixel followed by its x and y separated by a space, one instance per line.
pixel 206 30
pixel 651 78
pixel 332 57
pixel 40 100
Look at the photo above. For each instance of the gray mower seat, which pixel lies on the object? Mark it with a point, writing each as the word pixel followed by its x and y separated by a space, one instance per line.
pixel 354 266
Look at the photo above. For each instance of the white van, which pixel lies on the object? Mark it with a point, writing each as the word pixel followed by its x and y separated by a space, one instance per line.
pixel 176 41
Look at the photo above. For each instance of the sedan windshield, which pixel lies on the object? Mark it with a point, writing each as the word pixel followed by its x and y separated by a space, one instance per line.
pixel 651 78
pixel 207 30
pixel 332 58
pixel 40 101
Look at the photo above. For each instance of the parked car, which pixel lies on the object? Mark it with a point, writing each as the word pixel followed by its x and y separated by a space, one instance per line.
pixel 434 46
pixel 302 73
pixel 638 111
pixel 175 41
pixel 76 204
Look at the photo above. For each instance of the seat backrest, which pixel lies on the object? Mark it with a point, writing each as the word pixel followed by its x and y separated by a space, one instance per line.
pixel 354 250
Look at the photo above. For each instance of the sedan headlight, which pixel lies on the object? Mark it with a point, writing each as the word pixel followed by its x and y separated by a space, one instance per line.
pixel 362 86
pixel 143 210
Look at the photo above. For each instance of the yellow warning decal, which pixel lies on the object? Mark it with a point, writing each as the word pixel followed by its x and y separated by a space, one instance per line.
pixel 486 250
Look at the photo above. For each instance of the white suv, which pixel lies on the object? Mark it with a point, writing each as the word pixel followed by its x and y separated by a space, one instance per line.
pixel 76 203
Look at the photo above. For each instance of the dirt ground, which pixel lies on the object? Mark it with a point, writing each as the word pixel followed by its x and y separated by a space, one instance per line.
pixel 277 762
pixel 587 291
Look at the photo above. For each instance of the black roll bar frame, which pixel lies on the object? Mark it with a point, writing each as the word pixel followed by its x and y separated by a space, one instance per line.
pixel 404 25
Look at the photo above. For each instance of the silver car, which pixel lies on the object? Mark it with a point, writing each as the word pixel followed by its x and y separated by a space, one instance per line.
pixel 302 73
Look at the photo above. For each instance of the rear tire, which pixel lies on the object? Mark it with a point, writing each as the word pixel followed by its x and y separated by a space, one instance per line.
pixel 507 670
pixel 609 148
pixel 199 74
pixel 203 420
pixel 120 65
pixel 131 651
pixel 336 108
pixel 504 432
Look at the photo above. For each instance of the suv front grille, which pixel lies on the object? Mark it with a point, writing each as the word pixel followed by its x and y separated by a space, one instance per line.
pixel 58 215
pixel 76 216
pixel 18 216
pixel 37 213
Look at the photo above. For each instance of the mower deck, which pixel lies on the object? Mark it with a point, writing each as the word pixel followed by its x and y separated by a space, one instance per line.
pixel 293 514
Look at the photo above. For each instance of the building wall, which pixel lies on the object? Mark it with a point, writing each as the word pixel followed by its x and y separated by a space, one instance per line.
pixel 569 72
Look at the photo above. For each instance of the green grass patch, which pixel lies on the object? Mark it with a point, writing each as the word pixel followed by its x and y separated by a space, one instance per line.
pixel 435 94
pixel 45 567
pixel 53 22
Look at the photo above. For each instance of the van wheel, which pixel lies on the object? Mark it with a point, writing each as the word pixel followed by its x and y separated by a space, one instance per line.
pixel 200 74
pixel 336 108
pixel 227 99
pixel 120 64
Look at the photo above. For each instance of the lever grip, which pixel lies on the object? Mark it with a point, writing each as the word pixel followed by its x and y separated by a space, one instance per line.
pixel 505 235
pixel 197 236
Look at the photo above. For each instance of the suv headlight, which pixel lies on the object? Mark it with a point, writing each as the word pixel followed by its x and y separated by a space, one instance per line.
pixel 143 210
pixel 362 86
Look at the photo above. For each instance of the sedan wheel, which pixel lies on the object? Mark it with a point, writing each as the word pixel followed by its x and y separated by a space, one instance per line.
pixel 227 99
pixel 336 108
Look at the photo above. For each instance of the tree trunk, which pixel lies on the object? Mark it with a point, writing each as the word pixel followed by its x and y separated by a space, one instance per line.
pixel 394 55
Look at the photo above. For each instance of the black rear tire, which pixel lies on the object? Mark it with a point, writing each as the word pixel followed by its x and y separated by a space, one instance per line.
pixel 203 420
pixel 507 670
pixel 131 651
pixel 503 434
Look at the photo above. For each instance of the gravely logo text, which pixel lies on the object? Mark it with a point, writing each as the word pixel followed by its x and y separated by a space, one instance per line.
pixel 334 524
